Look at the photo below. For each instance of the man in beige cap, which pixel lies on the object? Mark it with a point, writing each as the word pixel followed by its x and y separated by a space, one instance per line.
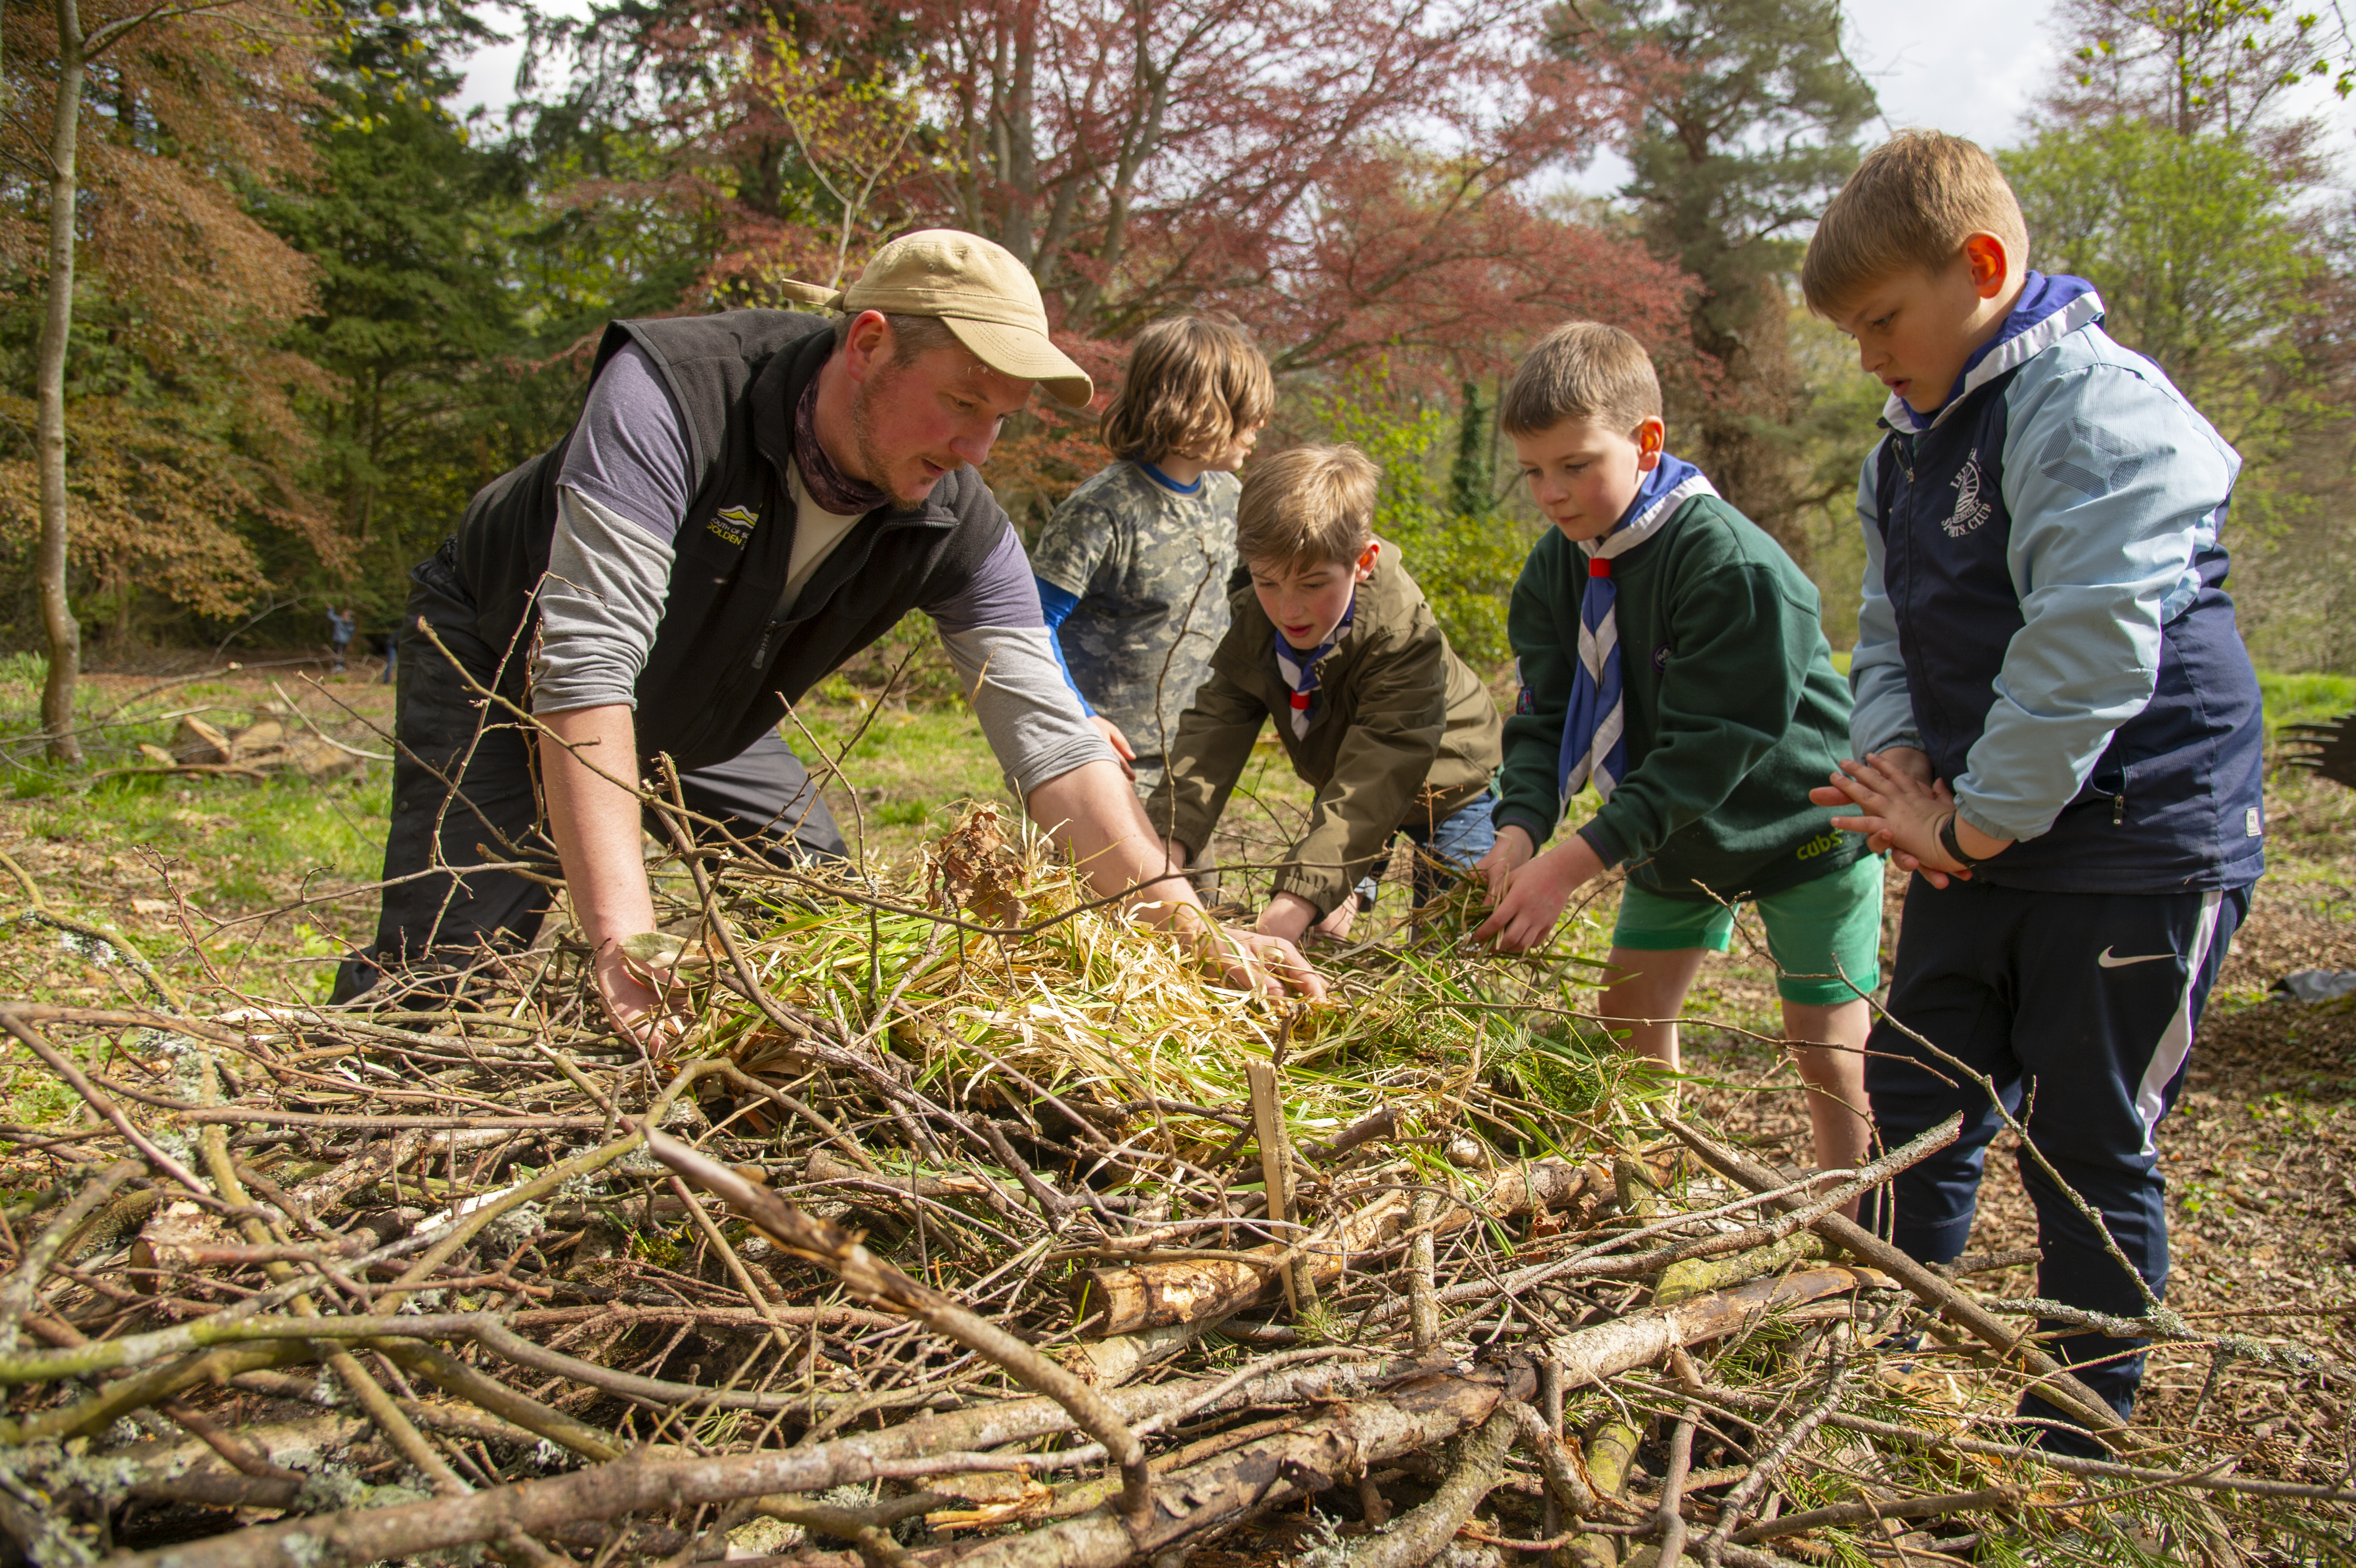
pixel 747 500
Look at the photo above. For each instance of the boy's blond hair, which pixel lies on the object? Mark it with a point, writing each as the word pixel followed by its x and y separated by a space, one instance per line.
pixel 1193 385
pixel 1910 206
pixel 1306 506
pixel 1581 371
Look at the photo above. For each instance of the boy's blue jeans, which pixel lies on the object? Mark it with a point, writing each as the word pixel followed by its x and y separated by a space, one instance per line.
pixel 1458 841
pixel 2081 1008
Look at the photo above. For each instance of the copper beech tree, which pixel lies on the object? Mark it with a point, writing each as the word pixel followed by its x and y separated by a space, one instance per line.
pixel 1349 178
pixel 130 124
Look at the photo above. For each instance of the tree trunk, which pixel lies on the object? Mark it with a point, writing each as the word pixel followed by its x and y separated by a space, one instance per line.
pixel 49 394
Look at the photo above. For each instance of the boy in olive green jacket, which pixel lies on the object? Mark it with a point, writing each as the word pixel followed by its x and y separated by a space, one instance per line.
pixel 1374 709
pixel 1671 656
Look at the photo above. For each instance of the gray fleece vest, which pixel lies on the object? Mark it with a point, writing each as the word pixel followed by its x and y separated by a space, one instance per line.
pixel 728 657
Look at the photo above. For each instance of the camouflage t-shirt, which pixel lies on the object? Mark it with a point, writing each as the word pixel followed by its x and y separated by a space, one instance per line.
pixel 1150 569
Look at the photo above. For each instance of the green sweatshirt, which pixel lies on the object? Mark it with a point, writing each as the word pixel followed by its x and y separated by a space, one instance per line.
pixel 1734 711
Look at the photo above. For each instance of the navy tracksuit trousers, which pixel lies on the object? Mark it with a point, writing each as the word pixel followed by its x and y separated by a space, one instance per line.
pixel 2081 1007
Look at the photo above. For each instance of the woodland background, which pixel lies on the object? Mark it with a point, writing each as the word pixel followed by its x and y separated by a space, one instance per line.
pixel 312 309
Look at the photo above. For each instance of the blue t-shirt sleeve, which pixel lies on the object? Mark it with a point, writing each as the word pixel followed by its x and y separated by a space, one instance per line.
pixel 1056 606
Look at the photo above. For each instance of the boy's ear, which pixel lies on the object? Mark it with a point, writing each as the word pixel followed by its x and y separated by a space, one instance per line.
pixel 1989 261
pixel 1652 440
pixel 1368 558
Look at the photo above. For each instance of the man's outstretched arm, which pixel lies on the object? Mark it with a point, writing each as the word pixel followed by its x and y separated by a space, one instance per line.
pixel 1092 812
pixel 596 824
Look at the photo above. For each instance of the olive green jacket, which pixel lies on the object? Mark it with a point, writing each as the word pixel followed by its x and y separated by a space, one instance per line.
pixel 1402 732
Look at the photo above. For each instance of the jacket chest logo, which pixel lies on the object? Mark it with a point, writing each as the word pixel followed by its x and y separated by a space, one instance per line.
pixel 1972 508
pixel 734 525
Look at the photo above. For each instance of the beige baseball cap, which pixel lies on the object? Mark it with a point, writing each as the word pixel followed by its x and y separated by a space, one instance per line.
pixel 979 291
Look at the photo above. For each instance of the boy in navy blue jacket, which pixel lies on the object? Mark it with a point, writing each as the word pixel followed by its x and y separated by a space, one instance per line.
pixel 2058 724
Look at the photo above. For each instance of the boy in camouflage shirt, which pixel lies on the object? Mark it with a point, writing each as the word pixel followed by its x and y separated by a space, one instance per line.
pixel 1133 567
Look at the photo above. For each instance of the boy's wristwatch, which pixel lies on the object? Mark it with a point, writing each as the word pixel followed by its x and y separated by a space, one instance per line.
pixel 1953 845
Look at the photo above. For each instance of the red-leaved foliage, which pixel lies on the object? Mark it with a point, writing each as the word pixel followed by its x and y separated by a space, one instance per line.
pixel 1346 177
pixel 182 439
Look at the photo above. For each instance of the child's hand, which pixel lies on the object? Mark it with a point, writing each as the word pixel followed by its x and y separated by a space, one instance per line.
pixel 1289 916
pixel 1532 898
pixel 1122 748
pixel 1510 854
pixel 1336 927
pixel 1902 813
pixel 1914 763
pixel 1267 964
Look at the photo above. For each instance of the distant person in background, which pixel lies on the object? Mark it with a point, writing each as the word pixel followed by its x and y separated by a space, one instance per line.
pixel 388 648
pixel 341 624
pixel 1133 567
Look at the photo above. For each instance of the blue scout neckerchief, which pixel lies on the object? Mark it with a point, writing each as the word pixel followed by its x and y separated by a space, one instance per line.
pixel 1595 732
pixel 1300 669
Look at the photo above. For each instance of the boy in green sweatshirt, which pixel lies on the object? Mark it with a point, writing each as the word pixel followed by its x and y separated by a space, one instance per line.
pixel 1671 656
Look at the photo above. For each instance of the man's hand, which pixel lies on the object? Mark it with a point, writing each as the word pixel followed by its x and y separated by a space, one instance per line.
pixel 1117 741
pixel 645 1002
pixel 1530 900
pixel 1900 811
pixel 1252 961
pixel 1509 854
pixel 1093 814
pixel 587 760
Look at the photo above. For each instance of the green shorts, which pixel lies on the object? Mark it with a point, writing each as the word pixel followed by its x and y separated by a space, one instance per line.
pixel 1817 931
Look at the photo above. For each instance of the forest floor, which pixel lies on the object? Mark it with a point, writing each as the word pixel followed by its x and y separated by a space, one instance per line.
pixel 2260 1153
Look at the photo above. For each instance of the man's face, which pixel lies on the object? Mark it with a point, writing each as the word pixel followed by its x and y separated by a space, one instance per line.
pixel 1307 600
pixel 1584 475
pixel 914 423
pixel 1915 330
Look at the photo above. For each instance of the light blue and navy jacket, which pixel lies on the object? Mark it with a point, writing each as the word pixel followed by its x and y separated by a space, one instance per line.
pixel 2044 613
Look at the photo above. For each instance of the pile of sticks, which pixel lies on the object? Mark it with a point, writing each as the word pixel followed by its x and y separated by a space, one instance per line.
pixel 302 1288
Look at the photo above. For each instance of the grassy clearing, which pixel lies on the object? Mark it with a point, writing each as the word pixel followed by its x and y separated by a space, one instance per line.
pixel 127 850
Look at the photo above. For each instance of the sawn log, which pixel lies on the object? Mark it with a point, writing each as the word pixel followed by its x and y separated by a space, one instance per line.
pixel 1150 1294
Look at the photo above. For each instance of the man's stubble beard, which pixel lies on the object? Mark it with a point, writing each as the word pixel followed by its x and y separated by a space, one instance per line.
pixel 864 443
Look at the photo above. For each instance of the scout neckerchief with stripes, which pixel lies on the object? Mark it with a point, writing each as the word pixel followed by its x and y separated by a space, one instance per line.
pixel 1300 669
pixel 1595 732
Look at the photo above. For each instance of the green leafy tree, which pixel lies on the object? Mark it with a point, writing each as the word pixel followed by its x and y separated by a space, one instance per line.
pixel 2222 270
pixel 1749 120
pixel 2196 65
pixel 413 312
pixel 2204 261
pixel 463 280
pixel 1464 551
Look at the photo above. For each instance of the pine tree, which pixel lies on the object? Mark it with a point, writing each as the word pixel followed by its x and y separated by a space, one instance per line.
pixel 1737 146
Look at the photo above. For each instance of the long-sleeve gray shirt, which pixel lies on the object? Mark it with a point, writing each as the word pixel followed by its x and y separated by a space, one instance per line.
pixel 622 496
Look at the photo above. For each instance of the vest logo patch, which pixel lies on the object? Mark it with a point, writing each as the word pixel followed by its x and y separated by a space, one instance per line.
pixel 1971 508
pixel 734 524
pixel 1823 844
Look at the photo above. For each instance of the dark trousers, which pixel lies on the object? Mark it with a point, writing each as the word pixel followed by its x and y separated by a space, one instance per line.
pixel 2081 1008
pixel 463 784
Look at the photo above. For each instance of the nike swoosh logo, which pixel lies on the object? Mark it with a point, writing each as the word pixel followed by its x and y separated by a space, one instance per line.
pixel 2107 961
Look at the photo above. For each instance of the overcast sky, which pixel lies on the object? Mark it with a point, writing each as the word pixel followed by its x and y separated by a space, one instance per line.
pixel 1972 68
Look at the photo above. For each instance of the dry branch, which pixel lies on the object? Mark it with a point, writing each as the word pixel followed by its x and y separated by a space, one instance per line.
pixel 463 1229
